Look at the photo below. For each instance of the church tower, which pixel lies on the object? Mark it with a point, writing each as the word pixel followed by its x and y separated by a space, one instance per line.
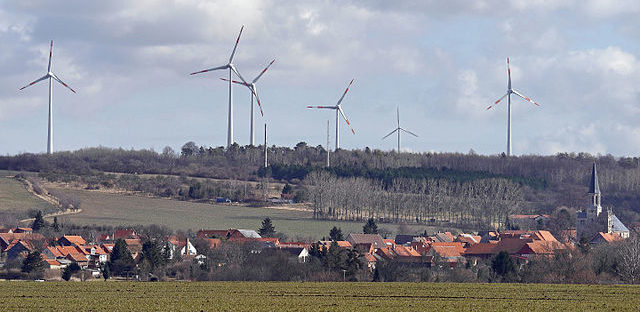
pixel 595 208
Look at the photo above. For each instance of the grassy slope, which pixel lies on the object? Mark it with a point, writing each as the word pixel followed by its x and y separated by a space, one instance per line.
pixel 250 296
pixel 14 197
pixel 116 209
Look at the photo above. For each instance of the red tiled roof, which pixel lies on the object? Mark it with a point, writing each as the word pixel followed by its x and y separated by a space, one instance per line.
pixel 54 251
pixel 385 253
pixel 370 258
pixel 295 244
pixel 539 247
pixel 107 247
pixel 390 243
pixel 52 262
pixel 406 251
pixel 608 237
pixel 447 251
pixel 6 238
pixel 374 239
pixel 73 239
pixel 481 249
pixel 123 234
pixel 341 244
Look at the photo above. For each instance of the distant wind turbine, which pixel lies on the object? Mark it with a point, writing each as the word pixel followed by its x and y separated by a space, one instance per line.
pixel 399 129
pixel 254 91
pixel 232 69
pixel 50 75
pixel 508 95
pixel 339 111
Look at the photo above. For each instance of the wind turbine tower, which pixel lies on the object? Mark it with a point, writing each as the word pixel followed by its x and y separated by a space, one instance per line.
pixel 328 147
pixel 339 112
pixel 232 69
pixel 51 76
pixel 266 163
pixel 398 130
pixel 508 96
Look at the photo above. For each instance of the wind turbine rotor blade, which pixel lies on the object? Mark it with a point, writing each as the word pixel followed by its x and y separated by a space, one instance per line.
pixel 409 132
pixel 235 70
pixel 498 101
pixel 234 81
pixel 322 107
pixel 236 46
pixel 211 69
pixel 526 98
pixel 36 81
pixel 64 84
pixel 345 92
pixel 263 71
pixel 50 54
pixel 254 90
pixel 345 118
pixel 390 133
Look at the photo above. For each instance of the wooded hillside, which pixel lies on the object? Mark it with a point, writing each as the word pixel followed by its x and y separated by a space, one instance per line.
pixel 461 188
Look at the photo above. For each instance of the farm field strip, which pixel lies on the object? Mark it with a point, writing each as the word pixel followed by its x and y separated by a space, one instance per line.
pixel 291 296
pixel 118 209
pixel 15 197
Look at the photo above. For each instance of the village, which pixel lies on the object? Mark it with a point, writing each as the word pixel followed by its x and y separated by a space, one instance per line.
pixel 124 253
pixel 443 248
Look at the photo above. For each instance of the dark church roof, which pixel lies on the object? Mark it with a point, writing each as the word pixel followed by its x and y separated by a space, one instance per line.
pixel 594 187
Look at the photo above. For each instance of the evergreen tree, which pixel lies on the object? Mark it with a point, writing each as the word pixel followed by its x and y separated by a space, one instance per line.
pixel 502 264
pixel 106 272
pixel 336 234
pixel 152 254
pixel 353 264
pixel 33 263
pixel 38 222
pixel 71 269
pixel 56 225
pixel 267 229
pixel 333 257
pixel 370 227
pixel 121 259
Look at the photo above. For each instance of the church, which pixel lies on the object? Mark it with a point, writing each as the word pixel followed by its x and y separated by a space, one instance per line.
pixel 593 219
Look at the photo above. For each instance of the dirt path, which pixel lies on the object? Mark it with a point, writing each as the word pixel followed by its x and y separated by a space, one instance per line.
pixel 49 199
pixel 46 197
pixel 54 214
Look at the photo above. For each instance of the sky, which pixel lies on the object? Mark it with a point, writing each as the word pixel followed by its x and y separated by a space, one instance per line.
pixel 441 62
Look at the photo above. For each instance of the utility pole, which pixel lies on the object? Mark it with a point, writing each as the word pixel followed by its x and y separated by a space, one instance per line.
pixel 328 147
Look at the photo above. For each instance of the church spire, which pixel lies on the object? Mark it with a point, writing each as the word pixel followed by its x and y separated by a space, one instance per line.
pixel 594 187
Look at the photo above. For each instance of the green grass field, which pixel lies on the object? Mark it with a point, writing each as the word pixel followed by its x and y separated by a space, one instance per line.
pixel 118 209
pixel 15 198
pixel 269 296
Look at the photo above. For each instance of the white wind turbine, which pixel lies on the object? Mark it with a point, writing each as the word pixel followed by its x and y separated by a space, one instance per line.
pixel 254 91
pixel 399 129
pixel 232 69
pixel 508 95
pixel 50 75
pixel 339 111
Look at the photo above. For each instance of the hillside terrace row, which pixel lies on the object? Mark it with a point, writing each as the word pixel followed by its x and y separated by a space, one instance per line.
pixel 442 248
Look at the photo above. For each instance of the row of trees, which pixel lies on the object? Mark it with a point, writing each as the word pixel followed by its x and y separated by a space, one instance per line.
pixel 482 204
